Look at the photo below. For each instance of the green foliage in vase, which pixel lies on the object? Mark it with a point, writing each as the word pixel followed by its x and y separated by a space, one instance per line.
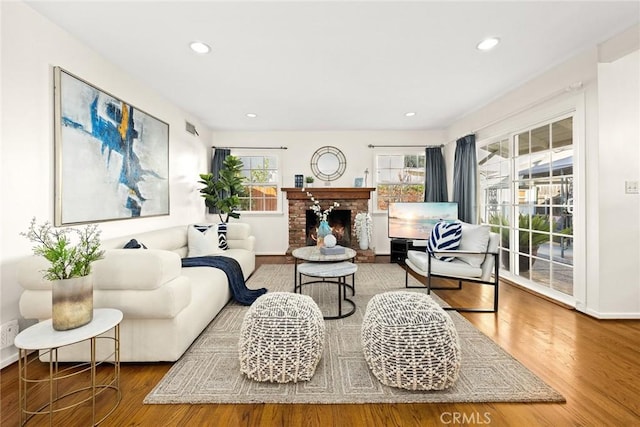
pixel 528 225
pixel 56 246
pixel 222 194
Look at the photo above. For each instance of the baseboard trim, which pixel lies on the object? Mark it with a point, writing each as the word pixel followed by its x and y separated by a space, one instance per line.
pixel 611 316
pixel 12 358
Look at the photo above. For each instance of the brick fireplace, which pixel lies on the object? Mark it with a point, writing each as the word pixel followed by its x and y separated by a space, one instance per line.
pixel 354 199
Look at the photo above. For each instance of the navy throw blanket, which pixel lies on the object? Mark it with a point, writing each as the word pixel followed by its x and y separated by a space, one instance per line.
pixel 232 269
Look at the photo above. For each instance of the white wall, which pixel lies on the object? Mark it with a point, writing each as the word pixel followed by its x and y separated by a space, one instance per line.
pixel 31 47
pixel 271 230
pixel 618 287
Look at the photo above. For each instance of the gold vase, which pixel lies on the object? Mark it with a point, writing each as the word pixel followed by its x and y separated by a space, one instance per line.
pixel 72 302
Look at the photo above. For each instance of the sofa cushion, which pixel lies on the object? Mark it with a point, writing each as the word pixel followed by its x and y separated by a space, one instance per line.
pixel 455 268
pixel 246 259
pixel 171 239
pixel 203 240
pixel 30 273
pixel 164 302
pixel 445 236
pixel 125 269
pixel 475 238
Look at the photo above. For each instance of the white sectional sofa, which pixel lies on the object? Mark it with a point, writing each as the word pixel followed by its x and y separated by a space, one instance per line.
pixel 165 306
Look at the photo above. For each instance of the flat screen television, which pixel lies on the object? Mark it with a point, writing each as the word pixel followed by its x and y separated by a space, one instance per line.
pixel 414 220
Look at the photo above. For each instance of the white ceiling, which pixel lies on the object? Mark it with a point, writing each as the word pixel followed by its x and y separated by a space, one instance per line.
pixel 336 65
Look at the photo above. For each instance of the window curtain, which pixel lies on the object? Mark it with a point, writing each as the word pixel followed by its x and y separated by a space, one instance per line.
pixel 435 176
pixel 465 170
pixel 217 163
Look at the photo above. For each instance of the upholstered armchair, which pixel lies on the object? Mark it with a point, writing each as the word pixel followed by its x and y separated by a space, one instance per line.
pixel 475 261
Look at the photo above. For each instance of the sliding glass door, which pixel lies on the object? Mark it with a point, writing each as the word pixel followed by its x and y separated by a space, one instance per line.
pixel 526 190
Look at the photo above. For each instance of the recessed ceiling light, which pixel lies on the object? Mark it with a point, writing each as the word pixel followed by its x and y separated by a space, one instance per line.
pixel 488 44
pixel 252 115
pixel 200 47
pixel 410 114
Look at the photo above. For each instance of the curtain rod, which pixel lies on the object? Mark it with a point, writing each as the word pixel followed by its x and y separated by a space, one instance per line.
pixel 404 146
pixel 252 148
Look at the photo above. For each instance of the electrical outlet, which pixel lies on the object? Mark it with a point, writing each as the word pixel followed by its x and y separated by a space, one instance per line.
pixel 8 333
pixel 631 187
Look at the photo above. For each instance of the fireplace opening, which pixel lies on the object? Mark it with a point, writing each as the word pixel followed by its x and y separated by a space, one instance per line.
pixel 339 222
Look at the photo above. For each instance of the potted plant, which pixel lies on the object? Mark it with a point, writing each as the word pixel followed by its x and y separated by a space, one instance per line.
pixel 309 180
pixel 222 194
pixel 69 269
pixel 528 226
pixel 362 225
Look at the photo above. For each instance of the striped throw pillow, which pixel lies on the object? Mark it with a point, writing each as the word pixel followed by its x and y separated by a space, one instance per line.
pixel 445 236
pixel 222 236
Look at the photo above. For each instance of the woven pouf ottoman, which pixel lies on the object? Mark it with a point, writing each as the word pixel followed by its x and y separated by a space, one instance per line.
pixel 410 342
pixel 281 338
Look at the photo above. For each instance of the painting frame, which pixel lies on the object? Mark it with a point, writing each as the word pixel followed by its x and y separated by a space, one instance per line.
pixel 111 158
pixel 358 182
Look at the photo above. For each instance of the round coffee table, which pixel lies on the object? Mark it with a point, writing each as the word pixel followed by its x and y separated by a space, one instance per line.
pixel 327 269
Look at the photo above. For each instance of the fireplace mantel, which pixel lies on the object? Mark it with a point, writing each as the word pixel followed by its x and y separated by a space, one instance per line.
pixel 322 193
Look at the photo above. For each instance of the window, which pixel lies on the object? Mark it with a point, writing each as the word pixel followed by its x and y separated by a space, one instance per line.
pixel 261 184
pixel 526 184
pixel 400 178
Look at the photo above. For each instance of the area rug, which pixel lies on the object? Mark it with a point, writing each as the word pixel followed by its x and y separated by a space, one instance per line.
pixel 209 372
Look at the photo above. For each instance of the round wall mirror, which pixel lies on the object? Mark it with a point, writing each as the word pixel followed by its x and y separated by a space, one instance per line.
pixel 328 163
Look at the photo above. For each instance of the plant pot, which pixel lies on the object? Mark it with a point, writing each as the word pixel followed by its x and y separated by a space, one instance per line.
pixel 72 301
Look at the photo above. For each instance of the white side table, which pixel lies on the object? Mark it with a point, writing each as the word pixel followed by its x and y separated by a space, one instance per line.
pixel 42 339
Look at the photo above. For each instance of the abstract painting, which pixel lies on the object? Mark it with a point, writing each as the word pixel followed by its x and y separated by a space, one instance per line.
pixel 112 159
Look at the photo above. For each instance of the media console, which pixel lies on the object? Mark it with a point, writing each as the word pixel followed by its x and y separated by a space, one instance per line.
pixel 399 248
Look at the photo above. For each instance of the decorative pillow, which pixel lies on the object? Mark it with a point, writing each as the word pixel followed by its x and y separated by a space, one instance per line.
pixel 475 238
pixel 222 236
pixel 203 240
pixel 445 236
pixel 134 244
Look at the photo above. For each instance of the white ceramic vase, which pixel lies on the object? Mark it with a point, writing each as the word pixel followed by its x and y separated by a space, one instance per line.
pixel 364 241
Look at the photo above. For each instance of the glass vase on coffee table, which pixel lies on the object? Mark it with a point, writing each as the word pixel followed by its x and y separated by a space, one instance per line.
pixel 323 231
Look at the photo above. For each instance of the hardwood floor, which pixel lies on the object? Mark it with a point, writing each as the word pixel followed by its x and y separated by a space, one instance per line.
pixel 595 364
